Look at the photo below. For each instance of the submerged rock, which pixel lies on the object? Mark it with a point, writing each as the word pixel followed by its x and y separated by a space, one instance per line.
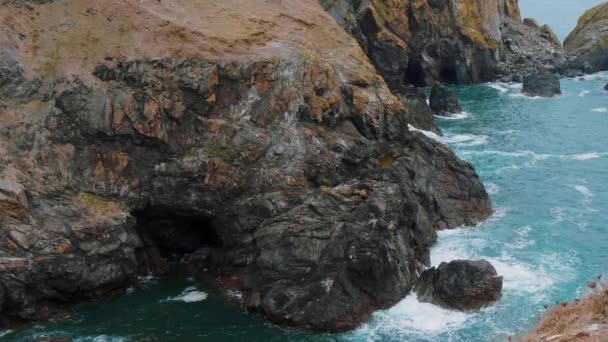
pixel 588 42
pixel 461 284
pixel 542 84
pixel 293 165
pixel 443 101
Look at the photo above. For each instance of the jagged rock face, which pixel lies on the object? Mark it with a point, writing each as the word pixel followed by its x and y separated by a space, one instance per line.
pixel 296 168
pixel 543 84
pixel 420 42
pixel 461 284
pixel 588 43
pixel 529 49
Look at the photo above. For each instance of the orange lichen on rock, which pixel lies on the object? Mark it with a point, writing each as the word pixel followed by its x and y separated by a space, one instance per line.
pixel 583 320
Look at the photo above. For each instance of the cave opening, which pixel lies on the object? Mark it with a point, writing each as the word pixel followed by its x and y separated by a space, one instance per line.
pixel 449 74
pixel 173 235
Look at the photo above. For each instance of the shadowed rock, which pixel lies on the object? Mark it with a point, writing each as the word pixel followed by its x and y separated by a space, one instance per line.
pixel 443 101
pixel 543 84
pixel 461 284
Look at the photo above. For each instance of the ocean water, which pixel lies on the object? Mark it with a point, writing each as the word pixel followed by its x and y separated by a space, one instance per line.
pixel 545 164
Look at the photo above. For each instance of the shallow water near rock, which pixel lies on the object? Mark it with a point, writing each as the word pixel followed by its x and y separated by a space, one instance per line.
pixel 545 164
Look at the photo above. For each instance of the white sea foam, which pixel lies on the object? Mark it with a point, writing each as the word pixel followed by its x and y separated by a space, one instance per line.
pixel 492 188
pixel 538 156
pixel 429 134
pixel 454 116
pixel 465 139
pixel 501 87
pixel 600 110
pixel 100 338
pixel 462 140
pixel 147 280
pixel 5 332
pixel 559 214
pixel 583 93
pixel 584 190
pixel 588 156
pixel 410 314
pixel 235 294
pixel 521 240
pixel 591 77
pixel 189 295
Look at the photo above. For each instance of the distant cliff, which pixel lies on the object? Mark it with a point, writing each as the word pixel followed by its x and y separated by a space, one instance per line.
pixel 588 43
pixel 454 41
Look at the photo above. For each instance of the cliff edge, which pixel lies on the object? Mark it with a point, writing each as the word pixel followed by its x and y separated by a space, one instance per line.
pixel 253 132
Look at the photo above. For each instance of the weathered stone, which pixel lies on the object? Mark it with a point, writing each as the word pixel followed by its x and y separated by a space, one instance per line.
pixel 548 34
pixel 420 114
pixel 528 50
pixel 588 42
pixel 422 42
pixel 531 22
pixel 543 84
pixel 462 284
pixel 294 168
pixel 443 101
pixel 13 201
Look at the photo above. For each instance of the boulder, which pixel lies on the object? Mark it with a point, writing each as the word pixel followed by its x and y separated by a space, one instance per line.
pixel 543 84
pixel 588 42
pixel 443 101
pixel 461 284
pixel 606 87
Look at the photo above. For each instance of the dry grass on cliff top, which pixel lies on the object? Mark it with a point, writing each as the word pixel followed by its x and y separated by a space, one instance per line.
pixel 71 36
pixel 584 320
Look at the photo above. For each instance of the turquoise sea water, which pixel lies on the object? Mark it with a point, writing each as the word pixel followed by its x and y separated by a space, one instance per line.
pixel 545 163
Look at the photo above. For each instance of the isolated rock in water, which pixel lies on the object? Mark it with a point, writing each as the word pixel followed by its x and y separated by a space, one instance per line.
pixel 588 42
pixel 443 101
pixel 606 87
pixel 461 284
pixel 542 84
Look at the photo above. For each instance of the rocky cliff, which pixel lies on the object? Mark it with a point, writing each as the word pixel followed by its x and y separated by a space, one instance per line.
pixel 257 130
pixel 588 43
pixel 451 41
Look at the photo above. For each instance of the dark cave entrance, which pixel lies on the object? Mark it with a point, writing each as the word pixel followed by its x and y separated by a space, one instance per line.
pixel 174 235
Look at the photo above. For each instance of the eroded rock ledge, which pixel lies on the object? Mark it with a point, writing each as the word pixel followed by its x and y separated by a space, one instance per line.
pixel 295 167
